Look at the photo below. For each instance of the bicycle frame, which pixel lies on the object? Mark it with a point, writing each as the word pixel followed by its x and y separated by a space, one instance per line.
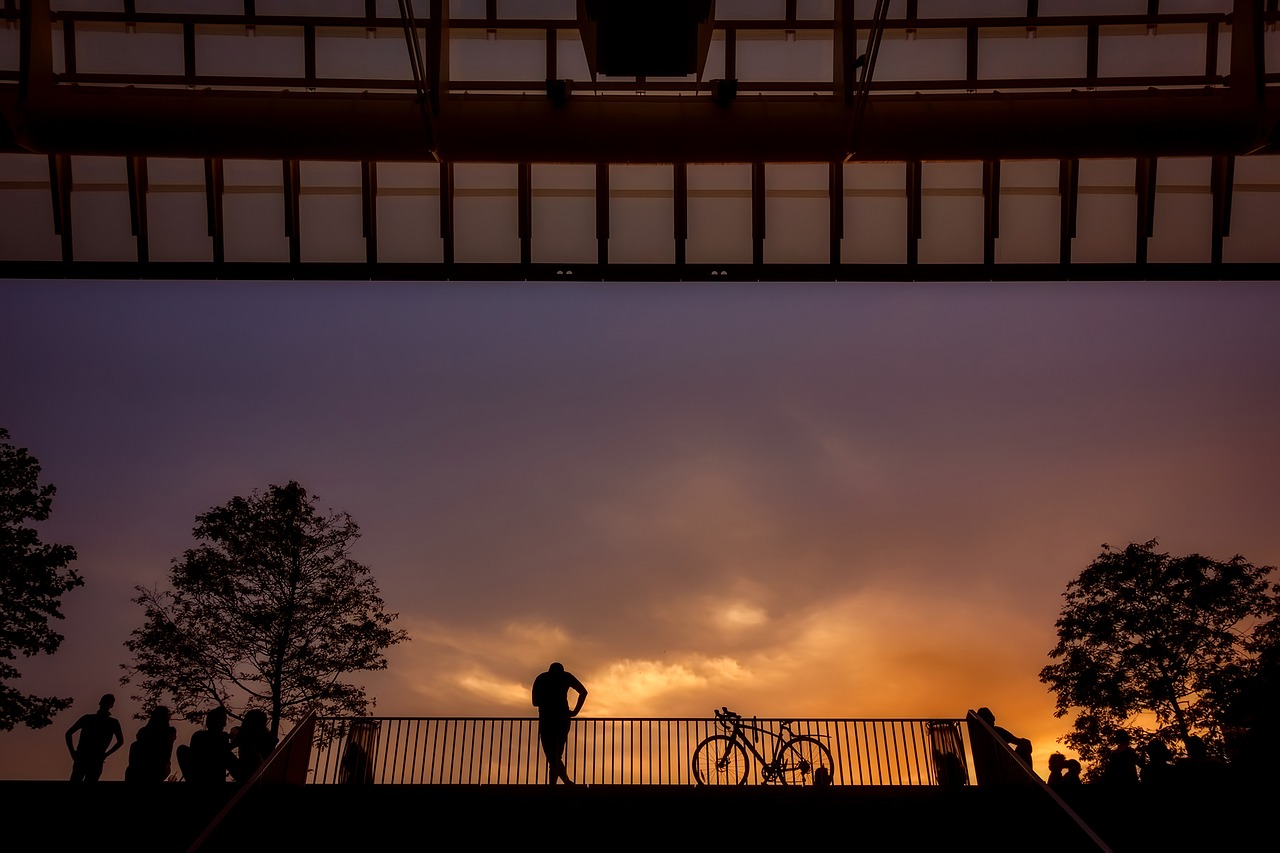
pixel 796 759
pixel 736 726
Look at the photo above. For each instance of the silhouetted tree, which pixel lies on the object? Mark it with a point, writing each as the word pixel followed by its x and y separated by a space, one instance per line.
pixel 269 610
pixel 1249 696
pixel 1143 632
pixel 33 577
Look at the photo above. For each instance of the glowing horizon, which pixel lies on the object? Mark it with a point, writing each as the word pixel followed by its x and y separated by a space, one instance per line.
pixel 794 500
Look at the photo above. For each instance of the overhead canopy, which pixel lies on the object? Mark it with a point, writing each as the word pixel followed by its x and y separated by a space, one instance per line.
pixel 113 86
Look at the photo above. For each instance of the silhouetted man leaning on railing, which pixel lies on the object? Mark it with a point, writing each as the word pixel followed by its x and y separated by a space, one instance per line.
pixel 551 696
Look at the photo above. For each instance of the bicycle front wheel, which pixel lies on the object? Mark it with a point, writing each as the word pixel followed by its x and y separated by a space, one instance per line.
pixel 805 760
pixel 720 760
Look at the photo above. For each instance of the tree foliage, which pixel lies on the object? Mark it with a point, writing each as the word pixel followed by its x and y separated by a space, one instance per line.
pixel 1145 636
pixel 33 577
pixel 269 610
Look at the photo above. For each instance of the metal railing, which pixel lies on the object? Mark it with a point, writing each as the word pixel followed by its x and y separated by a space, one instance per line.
pixel 618 751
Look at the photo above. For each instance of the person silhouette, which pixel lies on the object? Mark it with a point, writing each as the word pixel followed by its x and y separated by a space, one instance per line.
pixel 97 731
pixel 1198 768
pixel 208 757
pixel 356 766
pixel 149 754
pixel 1021 746
pixel 1070 782
pixel 1159 770
pixel 1120 764
pixel 252 742
pixel 1057 767
pixel 551 696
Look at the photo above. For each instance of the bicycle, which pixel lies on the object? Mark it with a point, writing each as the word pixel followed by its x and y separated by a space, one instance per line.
pixel 721 759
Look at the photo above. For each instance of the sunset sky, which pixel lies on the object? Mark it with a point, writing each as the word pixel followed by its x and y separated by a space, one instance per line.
pixel 853 500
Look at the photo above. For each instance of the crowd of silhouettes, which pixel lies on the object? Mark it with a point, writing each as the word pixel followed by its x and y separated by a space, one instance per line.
pixel 212 756
pixel 214 753
pixel 1124 768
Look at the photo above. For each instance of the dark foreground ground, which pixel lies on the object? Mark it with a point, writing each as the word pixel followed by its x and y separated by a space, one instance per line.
pixel 56 816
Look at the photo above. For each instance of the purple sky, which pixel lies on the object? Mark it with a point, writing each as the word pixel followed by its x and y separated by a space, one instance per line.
pixel 802 499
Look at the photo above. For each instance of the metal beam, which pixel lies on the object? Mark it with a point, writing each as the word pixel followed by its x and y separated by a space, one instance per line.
pixel 990 209
pixel 971 58
pixel 213 186
pixel 60 190
pixel 602 214
pixel 438 44
pixel 1145 187
pixel 1247 51
pixel 835 201
pixel 587 34
pixel 680 200
pixel 1091 53
pixel 369 209
pixel 189 53
pixel 309 53
pixel 185 270
pixel 1221 181
pixel 857 111
pixel 757 213
pixel 35 49
pixel 69 48
pixel 1069 196
pixel 426 91
pixel 915 172
pixel 1211 51
pixel 551 60
pixel 844 49
pixel 446 210
pixel 706 34
pixel 524 211
pixel 292 209
pixel 123 121
pixel 136 173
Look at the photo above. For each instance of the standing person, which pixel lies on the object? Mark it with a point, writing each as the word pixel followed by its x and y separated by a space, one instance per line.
pixel 551 696
pixel 96 734
pixel 152 748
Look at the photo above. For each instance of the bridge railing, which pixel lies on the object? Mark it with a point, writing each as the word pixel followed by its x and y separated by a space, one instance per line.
pixel 620 751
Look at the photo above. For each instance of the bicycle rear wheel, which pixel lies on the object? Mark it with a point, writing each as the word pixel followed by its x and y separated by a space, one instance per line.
pixel 720 760
pixel 805 760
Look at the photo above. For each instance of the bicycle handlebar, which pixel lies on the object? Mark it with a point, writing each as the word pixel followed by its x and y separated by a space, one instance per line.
pixel 734 721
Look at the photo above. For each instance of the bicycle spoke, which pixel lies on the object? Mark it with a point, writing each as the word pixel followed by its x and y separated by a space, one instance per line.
pixel 804 761
pixel 720 760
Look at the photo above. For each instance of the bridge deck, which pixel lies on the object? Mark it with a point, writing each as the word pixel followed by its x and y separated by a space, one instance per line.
pixel 58 815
